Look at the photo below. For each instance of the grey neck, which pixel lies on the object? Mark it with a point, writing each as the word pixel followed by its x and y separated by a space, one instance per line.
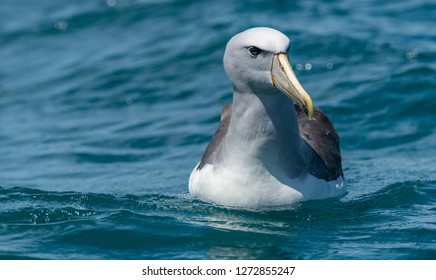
pixel 264 130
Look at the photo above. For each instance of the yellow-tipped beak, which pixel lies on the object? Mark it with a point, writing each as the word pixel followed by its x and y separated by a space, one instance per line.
pixel 285 80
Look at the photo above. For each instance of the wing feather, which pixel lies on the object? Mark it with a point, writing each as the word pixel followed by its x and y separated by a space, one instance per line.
pixel 211 152
pixel 320 134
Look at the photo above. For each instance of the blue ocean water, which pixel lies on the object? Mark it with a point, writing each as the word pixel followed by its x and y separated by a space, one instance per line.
pixel 106 106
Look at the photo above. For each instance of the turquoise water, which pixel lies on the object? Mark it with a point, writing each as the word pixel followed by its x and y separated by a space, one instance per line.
pixel 106 106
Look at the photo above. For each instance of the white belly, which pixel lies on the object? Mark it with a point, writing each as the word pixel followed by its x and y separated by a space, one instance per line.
pixel 256 187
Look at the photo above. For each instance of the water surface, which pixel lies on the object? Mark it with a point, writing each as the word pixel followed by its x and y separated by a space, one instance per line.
pixel 106 106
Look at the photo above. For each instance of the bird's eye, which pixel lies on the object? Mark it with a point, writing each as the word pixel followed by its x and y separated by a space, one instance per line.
pixel 254 51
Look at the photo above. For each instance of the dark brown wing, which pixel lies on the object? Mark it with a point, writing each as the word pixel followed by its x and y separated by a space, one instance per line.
pixel 209 155
pixel 321 136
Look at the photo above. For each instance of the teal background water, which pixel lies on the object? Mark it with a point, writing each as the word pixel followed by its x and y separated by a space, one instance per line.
pixel 106 106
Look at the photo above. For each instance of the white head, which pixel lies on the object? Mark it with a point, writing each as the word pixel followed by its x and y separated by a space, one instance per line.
pixel 255 61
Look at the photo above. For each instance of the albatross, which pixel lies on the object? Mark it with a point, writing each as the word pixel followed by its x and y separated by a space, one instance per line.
pixel 272 146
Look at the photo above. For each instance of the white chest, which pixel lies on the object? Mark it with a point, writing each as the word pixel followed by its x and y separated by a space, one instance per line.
pixel 256 187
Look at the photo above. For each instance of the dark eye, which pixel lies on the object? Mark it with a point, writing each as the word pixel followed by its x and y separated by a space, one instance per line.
pixel 254 50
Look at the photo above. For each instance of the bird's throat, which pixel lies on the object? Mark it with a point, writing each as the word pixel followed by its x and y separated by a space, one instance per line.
pixel 263 131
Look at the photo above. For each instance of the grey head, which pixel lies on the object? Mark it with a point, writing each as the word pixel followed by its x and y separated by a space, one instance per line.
pixel 257 59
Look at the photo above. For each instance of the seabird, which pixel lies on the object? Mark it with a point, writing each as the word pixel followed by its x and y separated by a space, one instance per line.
pixel 272 147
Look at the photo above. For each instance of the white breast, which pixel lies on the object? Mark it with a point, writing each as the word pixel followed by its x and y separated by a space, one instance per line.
pixel 255 187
